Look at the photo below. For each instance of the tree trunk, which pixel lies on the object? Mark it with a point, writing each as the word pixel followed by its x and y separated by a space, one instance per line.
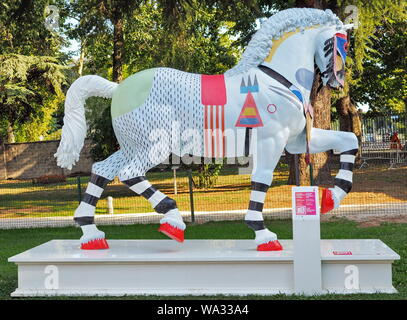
pixel 81 58
pixel 118 46
pixel 321 102
pixel 307 4
pixel 10 134
pixel 349 117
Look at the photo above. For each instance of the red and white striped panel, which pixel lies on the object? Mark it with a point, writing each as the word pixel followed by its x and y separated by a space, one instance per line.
pixel 213 98
pixel 214 128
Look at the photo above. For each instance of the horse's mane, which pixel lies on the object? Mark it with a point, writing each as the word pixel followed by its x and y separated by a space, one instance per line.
pixel 274 28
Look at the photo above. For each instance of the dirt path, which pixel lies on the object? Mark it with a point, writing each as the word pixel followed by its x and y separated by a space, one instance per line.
pixel 377 220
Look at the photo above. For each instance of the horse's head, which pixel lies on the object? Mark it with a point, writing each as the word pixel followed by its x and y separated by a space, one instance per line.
pixel 330 56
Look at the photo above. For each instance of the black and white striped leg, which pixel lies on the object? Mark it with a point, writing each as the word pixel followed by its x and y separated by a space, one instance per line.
pixel 158 200
pixel 332 198
pixel 254 218
pixel 84 214
pixel 344 178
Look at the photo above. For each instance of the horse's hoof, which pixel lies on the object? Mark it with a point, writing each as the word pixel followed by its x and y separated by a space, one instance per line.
pixel 172 232
pixel 327 202
pixel 270 246
pixel 97 244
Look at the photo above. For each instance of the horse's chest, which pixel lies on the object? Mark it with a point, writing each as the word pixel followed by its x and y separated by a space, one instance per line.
pixel 238 102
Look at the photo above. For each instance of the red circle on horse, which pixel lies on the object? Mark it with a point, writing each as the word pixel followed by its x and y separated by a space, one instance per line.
pixel 271 108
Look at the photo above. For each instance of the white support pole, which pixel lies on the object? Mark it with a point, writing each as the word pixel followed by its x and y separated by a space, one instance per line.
pixel 110 208
pixel 174 169
pixel 307 241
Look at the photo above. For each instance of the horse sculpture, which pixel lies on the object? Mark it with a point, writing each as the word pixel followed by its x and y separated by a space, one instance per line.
pixel 259 107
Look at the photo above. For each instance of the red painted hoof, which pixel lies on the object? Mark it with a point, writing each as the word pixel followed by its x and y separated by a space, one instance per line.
pixel 98 244
pixel 270 246
pixel 172 232
pixel 327 202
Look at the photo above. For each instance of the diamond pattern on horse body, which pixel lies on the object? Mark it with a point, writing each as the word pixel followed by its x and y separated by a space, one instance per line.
pixel 144 133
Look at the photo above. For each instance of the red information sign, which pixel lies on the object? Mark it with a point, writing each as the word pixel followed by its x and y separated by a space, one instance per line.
pixel 305 203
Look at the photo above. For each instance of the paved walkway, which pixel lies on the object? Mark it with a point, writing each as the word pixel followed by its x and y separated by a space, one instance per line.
pixel 353 212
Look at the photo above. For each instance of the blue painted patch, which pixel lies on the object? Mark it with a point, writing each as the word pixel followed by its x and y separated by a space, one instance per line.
pixel 340 44
pixel 249 121
pixel 247 89
pixel 298 94
pixel 252 87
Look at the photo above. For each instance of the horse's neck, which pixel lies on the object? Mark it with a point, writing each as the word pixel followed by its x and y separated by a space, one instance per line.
pixel 295 52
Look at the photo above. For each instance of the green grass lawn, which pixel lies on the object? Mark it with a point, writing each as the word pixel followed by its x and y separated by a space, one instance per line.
pixel 394 235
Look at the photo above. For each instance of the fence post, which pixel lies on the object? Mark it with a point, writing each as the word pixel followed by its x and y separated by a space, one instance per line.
pixel 174 169
pixel 3 165
pixel 311 174
pixel 78 180
pixel 191 196
pixel 297 170
pixel 110 208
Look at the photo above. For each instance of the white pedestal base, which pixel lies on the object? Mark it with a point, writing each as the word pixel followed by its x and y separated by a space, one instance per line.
pixel 196 267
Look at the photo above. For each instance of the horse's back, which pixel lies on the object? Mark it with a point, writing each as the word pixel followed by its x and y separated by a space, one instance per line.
pixel 163 86
pixel 132 92
pixel 160 98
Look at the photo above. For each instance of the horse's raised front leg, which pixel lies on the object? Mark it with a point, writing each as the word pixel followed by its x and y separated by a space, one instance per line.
pixel 102 173
pixel 268 154
pixel 347 144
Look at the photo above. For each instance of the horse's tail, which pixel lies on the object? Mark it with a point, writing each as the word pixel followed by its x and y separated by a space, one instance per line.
pixel 74 128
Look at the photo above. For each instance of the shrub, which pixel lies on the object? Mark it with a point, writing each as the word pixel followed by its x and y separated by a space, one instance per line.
pixel 207 176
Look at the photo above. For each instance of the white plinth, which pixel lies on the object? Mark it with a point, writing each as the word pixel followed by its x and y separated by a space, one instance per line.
pixel 196 267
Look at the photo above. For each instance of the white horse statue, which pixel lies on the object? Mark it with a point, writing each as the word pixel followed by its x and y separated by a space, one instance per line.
pixel 259 107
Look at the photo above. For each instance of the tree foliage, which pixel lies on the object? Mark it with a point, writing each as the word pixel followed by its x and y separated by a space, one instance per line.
pixel 376 62
pixel 101 132
pixel 195 36
pixel 120 37
pixel 31 74
pixel 383 82
pixel 30 91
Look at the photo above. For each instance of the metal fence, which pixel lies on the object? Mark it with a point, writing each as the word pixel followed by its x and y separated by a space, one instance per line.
pixel 383 140
pixel 379 129
pixel 380 188
pixel 377 190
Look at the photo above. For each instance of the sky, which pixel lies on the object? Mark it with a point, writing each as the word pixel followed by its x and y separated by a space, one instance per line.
pixel 74 46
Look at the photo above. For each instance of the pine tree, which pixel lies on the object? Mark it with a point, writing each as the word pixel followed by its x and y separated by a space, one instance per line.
pixel 30 70
pixel 30 91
